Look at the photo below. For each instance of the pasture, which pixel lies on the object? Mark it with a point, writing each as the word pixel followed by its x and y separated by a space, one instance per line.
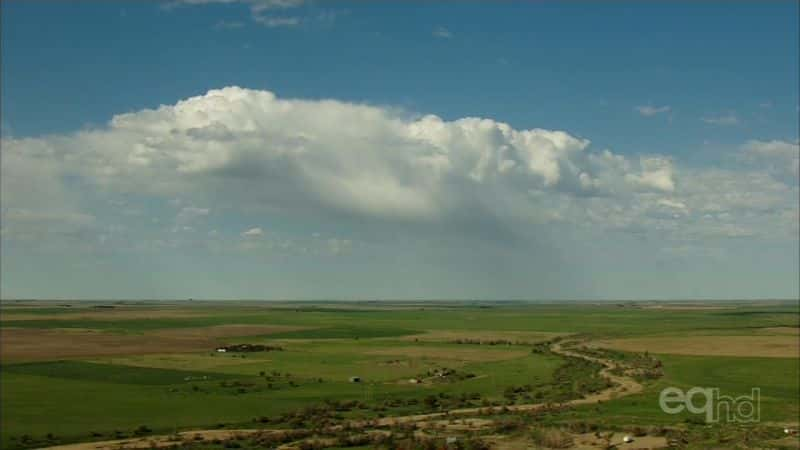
pixel 95 371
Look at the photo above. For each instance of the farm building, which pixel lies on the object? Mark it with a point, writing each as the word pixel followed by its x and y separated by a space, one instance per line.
pixel 355 379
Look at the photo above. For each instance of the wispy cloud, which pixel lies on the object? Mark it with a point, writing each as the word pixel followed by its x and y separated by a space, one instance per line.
pixel 255 5
pixel 650 110
pixel 269 5
pixel 252 233
pixel 724 120
pixel 443 33
pixel 228 25
pixel 261 11
pixel 275 22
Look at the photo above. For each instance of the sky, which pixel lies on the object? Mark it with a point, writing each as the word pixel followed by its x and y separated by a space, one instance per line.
pixel 289 149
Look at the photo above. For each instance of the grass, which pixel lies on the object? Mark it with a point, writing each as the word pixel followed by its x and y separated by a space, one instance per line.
pixel 344 332
pixel 72 399
pixel 71 408
pixel 109 373
pixel 777 378
pixel 599 320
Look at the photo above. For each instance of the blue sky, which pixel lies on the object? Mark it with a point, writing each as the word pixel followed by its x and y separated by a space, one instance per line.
pixel 699 99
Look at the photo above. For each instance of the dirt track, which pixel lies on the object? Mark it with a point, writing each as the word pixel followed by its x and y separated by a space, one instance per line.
pixel 622 386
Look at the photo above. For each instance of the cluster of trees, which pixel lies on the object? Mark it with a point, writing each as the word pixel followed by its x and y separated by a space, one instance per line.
pixel 524 393
pixel 488 342
pixel 246 348
pixel 541 348
pixel 641 366
pixel 446 401
pixel 445 374
pixel 26 440
pixel 392 441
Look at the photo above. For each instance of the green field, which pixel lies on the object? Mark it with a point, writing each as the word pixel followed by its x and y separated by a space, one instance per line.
pixel 107 395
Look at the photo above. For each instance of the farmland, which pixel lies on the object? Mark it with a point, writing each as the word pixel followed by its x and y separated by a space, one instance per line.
pixel 99 371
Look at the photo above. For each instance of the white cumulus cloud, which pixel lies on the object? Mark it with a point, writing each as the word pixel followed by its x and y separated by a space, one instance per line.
pixel 258 153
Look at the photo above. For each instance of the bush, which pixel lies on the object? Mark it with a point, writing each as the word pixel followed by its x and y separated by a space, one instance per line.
pixel 508 425
pixel 581 427
pixel 142 429
pixel 552 438
pixel 694 420
pixel 474 444
pixel 431 401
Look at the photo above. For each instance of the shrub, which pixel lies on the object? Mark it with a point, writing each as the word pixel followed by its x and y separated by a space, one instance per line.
pixel 473 444
pixel 552 438
pixel 508 425
pixel 695 420
pixel 581 427
pixel 142 429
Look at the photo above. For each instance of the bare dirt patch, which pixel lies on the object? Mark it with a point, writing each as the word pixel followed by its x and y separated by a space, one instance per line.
pixel 31 344
pixel 221 331
pixel 460 354
pixel 786 442
pixel 777 346
pixel 586 441
pixel 527 337
pixel 791 331
pixel 590 441
pixel 157 441
pixel 700 307
pixel 116 313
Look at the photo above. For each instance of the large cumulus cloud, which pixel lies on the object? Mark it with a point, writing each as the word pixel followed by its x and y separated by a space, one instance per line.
pixel 252 150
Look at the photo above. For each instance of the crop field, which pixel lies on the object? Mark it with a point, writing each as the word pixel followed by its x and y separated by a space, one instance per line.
pixel 507 374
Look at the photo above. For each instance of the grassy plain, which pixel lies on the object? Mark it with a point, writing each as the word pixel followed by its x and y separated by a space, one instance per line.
pixel 100 370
